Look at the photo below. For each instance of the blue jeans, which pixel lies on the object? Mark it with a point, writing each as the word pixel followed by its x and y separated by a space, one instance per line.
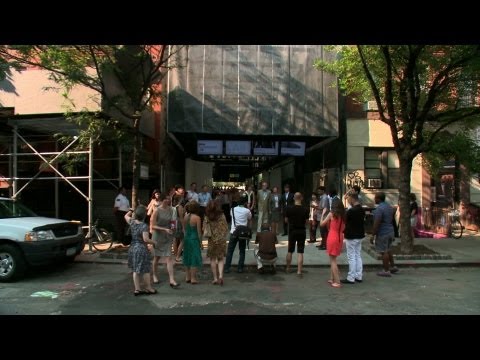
pixel 232 244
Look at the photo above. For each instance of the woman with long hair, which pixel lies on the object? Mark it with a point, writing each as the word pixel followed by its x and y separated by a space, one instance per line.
pixel 154 203
pixel 217 242
pixel 192 255
pixel 314 206
pixel 336 221
pixel 178 205
pixel 162 235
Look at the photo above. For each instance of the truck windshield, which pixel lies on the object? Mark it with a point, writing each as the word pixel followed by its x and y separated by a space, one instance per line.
pixel 13 209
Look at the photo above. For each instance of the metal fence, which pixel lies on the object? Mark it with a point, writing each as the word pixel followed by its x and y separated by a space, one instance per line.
pixel 438 220
pixel 435 220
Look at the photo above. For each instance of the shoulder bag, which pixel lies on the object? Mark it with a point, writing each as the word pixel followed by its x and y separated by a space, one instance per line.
pixel 241 231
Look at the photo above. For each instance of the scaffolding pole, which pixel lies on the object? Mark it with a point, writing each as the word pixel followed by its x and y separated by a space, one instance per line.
pixel 90 193
pixel 15 174
pixel 57 202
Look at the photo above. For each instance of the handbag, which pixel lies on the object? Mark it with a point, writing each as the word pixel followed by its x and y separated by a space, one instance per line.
pixel 178 234
pixel 207 230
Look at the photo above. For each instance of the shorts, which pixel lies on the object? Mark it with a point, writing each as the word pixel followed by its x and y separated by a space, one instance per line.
pixel 384 242
pixel 297 237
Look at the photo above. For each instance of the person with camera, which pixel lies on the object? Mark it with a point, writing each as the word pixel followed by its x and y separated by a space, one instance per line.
pixel 238 234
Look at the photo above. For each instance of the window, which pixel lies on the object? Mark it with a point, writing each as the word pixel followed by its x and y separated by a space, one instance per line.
pixel 467 90
pixel 381 168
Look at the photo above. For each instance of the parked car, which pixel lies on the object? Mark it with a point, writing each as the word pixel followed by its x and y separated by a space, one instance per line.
pixel 27 239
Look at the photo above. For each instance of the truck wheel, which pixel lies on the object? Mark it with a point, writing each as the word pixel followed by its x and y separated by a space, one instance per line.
pixel 12 263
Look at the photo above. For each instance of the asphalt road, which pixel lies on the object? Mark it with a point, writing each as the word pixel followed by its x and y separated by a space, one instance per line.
pixel 101 289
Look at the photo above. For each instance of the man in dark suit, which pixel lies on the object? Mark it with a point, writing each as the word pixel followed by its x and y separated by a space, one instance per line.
pixel 287 201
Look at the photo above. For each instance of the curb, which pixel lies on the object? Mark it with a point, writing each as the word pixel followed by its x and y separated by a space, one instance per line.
pixel 253 268
pixel 114 262
pixel 370 250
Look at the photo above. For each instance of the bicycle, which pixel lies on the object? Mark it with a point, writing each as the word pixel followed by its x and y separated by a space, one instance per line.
pixel 100 239
pixel 456 227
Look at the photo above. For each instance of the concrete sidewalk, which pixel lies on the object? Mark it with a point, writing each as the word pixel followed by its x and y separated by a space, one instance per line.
pixel 463 252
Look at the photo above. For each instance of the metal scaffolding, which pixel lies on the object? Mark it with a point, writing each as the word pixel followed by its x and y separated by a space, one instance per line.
pixel 14 154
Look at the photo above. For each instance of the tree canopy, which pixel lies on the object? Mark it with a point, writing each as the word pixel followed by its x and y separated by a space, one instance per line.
pixel 428 95
pixel 127 78
pixel 419 90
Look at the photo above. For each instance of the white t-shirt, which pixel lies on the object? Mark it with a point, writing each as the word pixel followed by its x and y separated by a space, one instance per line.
pixel 242 215
pixel 122 203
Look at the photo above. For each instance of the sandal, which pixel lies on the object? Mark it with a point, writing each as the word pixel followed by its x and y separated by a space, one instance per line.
pixel 215 282
pixel 336 285
pixel 138 292
pixel 330 281
pixel 148 292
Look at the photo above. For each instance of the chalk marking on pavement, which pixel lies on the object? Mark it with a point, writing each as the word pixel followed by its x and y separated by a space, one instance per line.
pixel 50 294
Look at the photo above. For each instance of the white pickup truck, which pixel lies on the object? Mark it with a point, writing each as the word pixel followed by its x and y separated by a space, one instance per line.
pixel 27 239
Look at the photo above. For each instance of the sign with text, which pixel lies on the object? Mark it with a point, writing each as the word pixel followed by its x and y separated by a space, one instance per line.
pixel 209 147
pixel 144 171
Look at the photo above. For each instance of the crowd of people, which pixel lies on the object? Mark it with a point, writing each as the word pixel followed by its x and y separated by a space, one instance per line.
pixel 174 224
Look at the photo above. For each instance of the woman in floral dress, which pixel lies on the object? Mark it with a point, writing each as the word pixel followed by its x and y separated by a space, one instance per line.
pixel 138 255
pixel 217 243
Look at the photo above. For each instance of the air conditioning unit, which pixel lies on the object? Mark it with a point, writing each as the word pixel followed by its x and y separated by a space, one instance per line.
pixel 371 106
pixel 374 183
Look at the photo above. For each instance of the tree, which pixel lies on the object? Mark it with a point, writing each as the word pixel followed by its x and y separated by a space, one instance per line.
pixel 127 77
pixel 418 91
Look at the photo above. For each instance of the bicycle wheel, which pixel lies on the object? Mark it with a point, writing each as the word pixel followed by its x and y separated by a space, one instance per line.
pixel 102 240
pixel 456 229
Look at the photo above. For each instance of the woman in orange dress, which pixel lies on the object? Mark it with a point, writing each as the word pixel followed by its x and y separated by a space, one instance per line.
pixel 336 219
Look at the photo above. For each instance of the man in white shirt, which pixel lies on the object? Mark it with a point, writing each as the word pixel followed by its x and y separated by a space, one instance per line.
pixel 120 207
pixel 203 199
pixel 192 193
pixel 240 216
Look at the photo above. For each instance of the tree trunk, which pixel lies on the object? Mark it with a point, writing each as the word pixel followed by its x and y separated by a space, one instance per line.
pixel 135 162
pixel 404 206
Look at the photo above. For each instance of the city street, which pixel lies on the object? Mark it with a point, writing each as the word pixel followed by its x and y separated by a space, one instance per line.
pixel 101 289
